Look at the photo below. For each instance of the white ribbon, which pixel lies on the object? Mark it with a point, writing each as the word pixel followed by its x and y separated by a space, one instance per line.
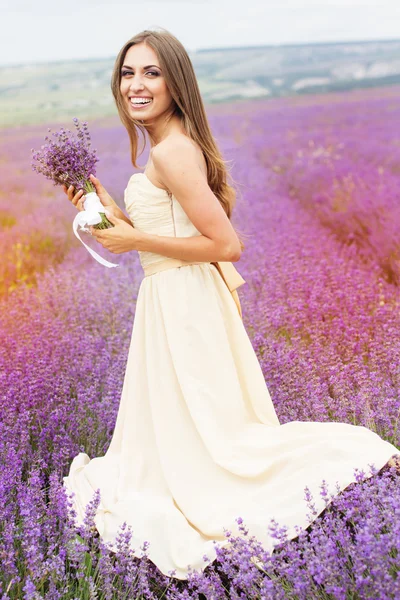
pixel 90 216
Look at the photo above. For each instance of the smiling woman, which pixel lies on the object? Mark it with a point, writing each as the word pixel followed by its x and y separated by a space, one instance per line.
pixel 197 442
pixel 150 67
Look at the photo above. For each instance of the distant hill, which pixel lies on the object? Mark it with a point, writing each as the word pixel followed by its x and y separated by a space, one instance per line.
pixel 50 92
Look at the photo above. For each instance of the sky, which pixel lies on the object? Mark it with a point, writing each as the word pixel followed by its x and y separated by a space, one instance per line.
pixel 51 30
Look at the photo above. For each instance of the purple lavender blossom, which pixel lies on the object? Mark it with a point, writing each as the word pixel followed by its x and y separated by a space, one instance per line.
pixel 322 310
pixel 69 160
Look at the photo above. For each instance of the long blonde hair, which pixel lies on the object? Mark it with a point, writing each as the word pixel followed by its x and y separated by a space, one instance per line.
pixel 188 106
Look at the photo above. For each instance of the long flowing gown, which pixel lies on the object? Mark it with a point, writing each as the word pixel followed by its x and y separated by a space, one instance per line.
pixel 197 442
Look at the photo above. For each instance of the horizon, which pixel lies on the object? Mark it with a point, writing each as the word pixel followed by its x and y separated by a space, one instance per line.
pixel 214 49
pixel 89 30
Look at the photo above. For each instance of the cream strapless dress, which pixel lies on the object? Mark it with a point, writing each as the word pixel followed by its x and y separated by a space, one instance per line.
pixel 197 442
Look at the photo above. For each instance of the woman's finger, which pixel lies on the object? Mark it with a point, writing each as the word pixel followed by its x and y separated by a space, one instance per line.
pixel 70 192
pixel 77 197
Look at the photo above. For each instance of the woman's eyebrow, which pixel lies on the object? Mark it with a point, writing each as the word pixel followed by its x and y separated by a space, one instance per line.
pixel 148 67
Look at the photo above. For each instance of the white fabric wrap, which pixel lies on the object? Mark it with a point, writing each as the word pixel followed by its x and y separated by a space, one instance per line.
pixel 90 216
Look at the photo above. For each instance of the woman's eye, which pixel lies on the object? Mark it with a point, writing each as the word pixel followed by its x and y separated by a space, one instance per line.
pixel 124 73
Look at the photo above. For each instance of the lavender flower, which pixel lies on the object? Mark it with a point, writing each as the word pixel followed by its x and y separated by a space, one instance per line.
pixel 69 160
pixel 322 310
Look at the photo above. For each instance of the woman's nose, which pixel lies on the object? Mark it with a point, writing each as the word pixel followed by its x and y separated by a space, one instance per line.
pixel 136 89
pixel 136 83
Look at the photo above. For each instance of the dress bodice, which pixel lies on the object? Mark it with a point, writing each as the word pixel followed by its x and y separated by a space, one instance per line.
pixel 153 210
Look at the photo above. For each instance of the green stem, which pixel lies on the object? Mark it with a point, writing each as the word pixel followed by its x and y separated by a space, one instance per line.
pixel 88 186
pixel 105 223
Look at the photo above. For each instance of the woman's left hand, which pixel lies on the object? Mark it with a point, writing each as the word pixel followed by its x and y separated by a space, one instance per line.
pixel 120 238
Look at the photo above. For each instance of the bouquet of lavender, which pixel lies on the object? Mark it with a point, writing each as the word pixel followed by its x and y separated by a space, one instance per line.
pixel 70 160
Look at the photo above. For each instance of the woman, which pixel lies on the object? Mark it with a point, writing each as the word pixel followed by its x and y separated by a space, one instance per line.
pixel 197 442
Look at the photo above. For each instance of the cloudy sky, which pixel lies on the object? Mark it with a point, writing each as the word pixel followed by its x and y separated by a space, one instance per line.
pixel 50 30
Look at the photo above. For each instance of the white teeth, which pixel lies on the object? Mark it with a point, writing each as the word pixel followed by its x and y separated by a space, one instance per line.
pixel 140 101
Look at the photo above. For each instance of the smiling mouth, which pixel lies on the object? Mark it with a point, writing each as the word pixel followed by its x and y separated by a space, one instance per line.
pixel 140 104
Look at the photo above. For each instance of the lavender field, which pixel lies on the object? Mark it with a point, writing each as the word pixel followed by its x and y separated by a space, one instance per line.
pixel 319 202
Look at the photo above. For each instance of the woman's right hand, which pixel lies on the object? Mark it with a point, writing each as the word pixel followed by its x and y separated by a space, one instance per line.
pixel 77 197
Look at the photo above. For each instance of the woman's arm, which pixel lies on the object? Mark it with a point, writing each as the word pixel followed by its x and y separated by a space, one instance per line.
pixel 175 161
pixel 119 214
pixel 196 248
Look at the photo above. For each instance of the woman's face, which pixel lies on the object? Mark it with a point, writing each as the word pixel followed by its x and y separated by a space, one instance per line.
pixel 141 76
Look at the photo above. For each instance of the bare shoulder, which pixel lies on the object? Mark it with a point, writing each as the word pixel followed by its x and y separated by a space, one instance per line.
pixel 176 141
pixel 178 148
